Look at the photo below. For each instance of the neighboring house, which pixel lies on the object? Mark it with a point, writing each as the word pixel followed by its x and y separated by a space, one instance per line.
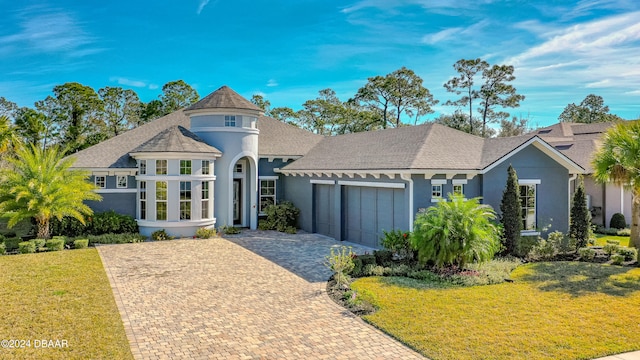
pixel 220 162
pixel 579 142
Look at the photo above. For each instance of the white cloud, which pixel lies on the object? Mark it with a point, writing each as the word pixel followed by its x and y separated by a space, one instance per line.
pixel 201 6
pixel 128 82
pixel 153 86
pixel 272 83
pixel 440 35
pixel 600 84
pixel 50 31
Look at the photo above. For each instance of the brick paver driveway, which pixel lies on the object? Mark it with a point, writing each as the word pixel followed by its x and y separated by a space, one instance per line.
pixel 257 295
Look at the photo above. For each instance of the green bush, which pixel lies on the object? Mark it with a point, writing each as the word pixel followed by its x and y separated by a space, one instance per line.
pixel 55 245
pixel 340 262
pixel 613 242
pixel 580 219
pixel 383 257
pixel 205 233
pixel 160 235
pixel 115 238
pixel 229 230
pixel 27 247
pixel 9 234
pixel 525 245
pixel 511 212
pixel 456 232
pixel 281 216
pixel 80 243
pixel 108 222
pixel 605 231
pixel 3 248
pixel 397 241
pixel 291 230
pixel 630 254
pixel 624 232
pixel 40 244
pixel 357 267
pixel 11 244
pixel 587 254
pixel 264 225
pixel 367 259
pixel 617 259
pixel 610 249
pixel 617 221
pixel 373 270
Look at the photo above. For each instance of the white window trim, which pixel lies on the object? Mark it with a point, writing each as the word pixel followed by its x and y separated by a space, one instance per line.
pixel 454 188
pixel 228 119
pixel 275 190
pixel 126 181
pixel 438 181
pixel 190 166
pixel 181 201
pixel 95 181
pixel 531 182
pixel 459 181
pixel 435 199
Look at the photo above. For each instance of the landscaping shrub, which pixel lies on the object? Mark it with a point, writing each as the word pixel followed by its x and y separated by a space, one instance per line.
pixel 617 259
pixel 511 211
pixel 3 248
pixel 340 262
pixel 580 223
pixel 614 242
pixel 367 259
pixel 630 254
pixel 11 244
pixel 617 221
pixel 264 225
pixel 229 230
pixel 291 230
pixel 280 217
pixel 587 254
pixel 80 243
pixel 160 235
pixel 108 222
pixel 397 241
pixel 115 238
pixel 611 249
pixel 205 233
pixel 383 257
pixel 55 244
pixel 624 232
pixel 40 244
pixel 373 270
pixel 456 232
pixel 27 247
pixel 357 266
pixel 9 234
pixel 525 245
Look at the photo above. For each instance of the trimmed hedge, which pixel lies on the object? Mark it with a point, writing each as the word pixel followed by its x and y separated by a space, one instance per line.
pixel 55 245
pixel 108 222
pixel 81 243
pixel 617 221
pixel 27 247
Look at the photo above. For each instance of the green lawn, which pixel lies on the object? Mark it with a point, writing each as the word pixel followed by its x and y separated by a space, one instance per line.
pixel 601 240
pixel 63 295
pixel 558 310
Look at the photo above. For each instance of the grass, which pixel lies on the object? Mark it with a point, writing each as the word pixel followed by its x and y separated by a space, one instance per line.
pixel 63 295
pixel 557 310
pixel 601 240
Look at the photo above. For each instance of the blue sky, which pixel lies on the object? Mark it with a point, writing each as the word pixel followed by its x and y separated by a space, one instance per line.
pixel 289 50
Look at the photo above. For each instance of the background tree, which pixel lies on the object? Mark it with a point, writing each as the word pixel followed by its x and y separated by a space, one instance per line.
pixel 463 83
pixel 121 109
pixel 75 109
pixel 591 110
pixel 580 225
pixel 514 127
pixel 398 92
pixel 7 108
pixel 618 161
pixel 177 95
pixel 495 91
pixel 34 127
pixel 262 103
pixel 511 209
pixel 284 114
pixel 323 114
pixel 459 121
pixel 150 111
pixel 40 184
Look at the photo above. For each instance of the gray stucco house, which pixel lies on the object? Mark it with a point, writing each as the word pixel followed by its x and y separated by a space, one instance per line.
pixel 220 161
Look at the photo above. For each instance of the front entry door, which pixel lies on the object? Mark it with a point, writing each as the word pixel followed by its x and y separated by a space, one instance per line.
pixel 237 201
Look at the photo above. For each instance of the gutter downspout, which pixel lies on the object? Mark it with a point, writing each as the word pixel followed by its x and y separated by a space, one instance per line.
pixel 571 178
pixel 407 177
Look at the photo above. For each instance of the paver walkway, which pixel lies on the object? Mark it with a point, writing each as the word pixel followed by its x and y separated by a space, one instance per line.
pixel 258 295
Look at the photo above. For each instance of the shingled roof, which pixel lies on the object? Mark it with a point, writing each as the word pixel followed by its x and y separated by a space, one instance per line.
pixel 281 139
pixel 225 98
pixel 176 139
pixel 114 152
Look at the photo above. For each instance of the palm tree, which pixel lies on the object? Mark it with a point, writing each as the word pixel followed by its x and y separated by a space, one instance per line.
pixel 40 184
pixel 618 161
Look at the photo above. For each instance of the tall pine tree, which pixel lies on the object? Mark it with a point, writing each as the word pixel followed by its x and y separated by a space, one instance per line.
pixel 511 209
pixel 580 216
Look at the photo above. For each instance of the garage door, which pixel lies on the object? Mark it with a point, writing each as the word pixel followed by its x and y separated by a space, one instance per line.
pixel 369 210
pixel 323 210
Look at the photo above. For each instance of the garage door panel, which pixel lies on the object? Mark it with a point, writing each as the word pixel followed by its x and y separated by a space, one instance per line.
pixel 370 210
pixel 324 209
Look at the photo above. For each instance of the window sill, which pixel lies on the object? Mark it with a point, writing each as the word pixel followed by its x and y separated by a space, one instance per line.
pixel 529 233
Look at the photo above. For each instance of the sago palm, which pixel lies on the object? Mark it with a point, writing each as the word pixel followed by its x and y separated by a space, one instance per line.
pixel 40 184
pixel 618 161
pixel 456 232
